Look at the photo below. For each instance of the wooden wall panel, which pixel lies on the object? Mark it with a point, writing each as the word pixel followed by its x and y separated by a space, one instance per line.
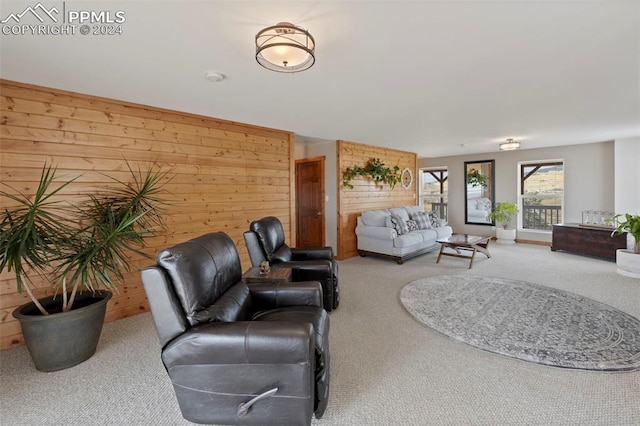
pixel 224 174
pixel 366 195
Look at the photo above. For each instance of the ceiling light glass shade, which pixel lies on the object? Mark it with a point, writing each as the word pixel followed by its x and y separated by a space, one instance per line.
pixel 510 145
pixel 285 48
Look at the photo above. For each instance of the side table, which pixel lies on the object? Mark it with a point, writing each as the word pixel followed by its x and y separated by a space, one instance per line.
pixel 253 275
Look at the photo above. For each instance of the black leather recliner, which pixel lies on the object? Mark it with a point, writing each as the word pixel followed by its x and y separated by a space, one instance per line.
pixel 265 241
pixel 237 353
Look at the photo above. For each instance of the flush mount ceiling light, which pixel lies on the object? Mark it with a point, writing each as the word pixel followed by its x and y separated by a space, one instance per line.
pixel 285 48
pixel 509 145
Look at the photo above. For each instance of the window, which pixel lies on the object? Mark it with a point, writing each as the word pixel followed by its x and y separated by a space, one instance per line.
pixel 542 194
pixel 433 190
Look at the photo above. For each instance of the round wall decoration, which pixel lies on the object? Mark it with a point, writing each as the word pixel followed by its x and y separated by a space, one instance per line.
pixel 407 178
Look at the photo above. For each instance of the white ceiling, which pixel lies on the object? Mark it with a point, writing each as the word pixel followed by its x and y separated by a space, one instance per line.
pixel 433 77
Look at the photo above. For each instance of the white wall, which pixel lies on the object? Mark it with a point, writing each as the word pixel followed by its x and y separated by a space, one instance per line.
pixel 589 182
pixel 627 178
pixel 308 148
pixel 627 175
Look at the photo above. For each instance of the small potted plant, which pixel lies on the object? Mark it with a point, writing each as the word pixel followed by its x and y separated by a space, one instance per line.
pixel 502 214
pixel 628 261
pixel 81 249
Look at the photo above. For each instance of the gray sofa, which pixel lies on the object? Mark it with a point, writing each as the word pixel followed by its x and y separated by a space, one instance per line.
pixel 379 232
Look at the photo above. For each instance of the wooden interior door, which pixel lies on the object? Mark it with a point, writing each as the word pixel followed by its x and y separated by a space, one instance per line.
pixel 310 202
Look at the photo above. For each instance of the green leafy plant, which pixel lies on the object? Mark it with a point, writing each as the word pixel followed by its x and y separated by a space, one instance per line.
pixel 475 178
pixel 630 225
pixel 502 213
pixel 83 246
pixel 374 169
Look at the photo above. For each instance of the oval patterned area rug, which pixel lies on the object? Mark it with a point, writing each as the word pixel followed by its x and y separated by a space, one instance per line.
pixel 526 321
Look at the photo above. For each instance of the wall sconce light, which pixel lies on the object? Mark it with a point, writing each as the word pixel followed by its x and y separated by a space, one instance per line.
pixel 285 48
pixel 509 145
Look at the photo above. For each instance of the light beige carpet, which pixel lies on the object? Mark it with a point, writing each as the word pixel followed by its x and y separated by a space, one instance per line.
pixel 387 368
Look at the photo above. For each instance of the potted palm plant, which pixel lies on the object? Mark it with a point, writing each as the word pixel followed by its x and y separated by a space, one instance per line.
pixel 81 250
pixel 503 213
pixel 628 261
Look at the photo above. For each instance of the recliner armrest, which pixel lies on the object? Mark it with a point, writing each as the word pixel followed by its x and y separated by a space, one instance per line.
pixel 312 253
pixel 245 342
pixel 272 295
pixel 309 270
pixel 319 266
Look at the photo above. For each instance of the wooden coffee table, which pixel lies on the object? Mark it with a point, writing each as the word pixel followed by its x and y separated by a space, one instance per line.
pixel 464 242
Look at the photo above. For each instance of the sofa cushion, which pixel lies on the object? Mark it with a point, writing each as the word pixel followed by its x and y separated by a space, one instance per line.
pixel 422 219
pixel 399 224
pixel 413 209
pixel 375 217
pixel 401 212
pixel 429 235
pixel 411 225
pixel 408 240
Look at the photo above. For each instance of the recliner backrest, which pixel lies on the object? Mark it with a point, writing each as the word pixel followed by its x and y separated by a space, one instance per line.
pixel 233 305
pixel 270 234
pixel 201 270
pixel 256 254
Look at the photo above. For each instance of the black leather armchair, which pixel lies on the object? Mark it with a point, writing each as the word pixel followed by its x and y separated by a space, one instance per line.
pixel 237 353
pixel 265 241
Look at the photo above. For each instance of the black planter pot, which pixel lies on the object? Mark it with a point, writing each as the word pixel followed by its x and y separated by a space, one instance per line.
pixel 64 339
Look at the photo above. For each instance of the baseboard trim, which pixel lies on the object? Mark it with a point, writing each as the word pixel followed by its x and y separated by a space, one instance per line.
pixel 534 242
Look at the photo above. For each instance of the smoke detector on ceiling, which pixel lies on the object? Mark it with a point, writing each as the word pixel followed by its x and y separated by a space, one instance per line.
pixel 214 76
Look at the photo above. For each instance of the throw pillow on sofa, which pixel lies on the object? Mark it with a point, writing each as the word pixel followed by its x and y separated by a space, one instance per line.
pixel 421 219
pixel 435 220
pixel 399 225
pixel 412 225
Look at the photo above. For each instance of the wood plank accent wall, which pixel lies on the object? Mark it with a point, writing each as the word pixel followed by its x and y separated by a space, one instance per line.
pixel 224 174
pixel 366 195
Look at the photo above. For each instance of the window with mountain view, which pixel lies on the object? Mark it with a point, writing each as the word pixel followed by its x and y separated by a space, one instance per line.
pixel 542 194
pixel 433 190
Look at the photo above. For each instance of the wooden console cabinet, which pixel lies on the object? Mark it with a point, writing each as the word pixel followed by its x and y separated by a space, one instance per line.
pixel 588 241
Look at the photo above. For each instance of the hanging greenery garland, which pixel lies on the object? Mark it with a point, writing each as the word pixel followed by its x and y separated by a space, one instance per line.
pixel 374 169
